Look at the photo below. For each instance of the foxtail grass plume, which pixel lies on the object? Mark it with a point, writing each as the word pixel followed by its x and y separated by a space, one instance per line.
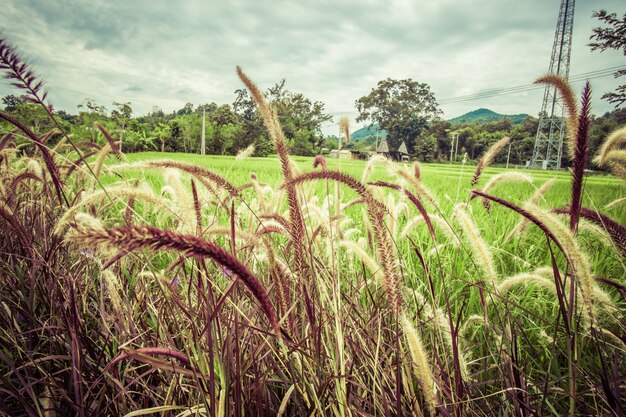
pixel 245 153
pixel 414 180
pixel 421 364
pixel 369 166
pixel 117 193
pixel 270 119
pixel 114 146
pixel 616 140
pixel 616 203
pixel 132 238
pixel 616 232
pixel 612 153
pixel 546 281
pixel 442 224
pixel 196 171
pixel 488 158
pixel 569 102
pixel 20 73
pixel 376 213
pixel 344 128
pixel 565 241
pixel 511 176
pixel 102 156
pixel 479 247
pixel 359 252
pixel 535 199
pixel 320 161
pixel 580 151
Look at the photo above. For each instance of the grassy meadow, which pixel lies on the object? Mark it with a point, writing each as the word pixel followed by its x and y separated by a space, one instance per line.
pixel 183 285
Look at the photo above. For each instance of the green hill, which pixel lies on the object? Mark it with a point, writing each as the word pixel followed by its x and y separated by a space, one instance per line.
pixel 487 116
pixel 367 134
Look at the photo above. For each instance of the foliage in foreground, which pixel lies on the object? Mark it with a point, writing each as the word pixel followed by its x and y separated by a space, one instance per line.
pixel 209 298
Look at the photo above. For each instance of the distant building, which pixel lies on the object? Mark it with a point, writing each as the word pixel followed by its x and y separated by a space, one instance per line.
pixel 347 154
pixel 383 148
pixel 401 154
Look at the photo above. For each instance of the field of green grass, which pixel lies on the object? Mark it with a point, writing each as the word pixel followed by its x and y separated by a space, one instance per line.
pixel 179 285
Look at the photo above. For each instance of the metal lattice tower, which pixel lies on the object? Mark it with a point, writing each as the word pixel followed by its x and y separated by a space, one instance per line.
pixel 549 140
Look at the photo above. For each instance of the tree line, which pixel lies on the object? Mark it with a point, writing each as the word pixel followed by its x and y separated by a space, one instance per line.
pixel 405 109
pixel 228 129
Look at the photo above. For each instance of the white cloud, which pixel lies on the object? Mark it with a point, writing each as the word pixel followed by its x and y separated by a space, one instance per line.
pixel 166 54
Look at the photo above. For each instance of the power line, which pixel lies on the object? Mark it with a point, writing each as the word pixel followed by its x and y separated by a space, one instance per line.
pixel 590 75
pixel 529 87
pixel 526 87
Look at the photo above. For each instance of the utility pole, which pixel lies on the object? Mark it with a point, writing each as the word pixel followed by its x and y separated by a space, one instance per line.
pixel 203 142
pixel 508 155
pixel 454 143
pixel 549 140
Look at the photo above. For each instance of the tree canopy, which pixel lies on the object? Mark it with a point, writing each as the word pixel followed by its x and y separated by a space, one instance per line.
pixel 228 129
pixel 300 118
pixel 611 37
pixel 402 107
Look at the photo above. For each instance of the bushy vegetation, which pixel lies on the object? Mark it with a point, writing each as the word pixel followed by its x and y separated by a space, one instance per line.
pixel 191 286
pixel 228 129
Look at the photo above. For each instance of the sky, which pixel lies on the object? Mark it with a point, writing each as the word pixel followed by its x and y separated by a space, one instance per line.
pixel 166 53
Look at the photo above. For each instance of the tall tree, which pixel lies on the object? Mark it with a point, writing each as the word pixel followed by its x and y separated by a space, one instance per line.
pixel 11 102
pixel 300 118
pixel 402 107
pixel 611 37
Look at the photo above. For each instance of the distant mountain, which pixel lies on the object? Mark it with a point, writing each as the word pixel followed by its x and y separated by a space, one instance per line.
pixel 487 116
pixel 367 134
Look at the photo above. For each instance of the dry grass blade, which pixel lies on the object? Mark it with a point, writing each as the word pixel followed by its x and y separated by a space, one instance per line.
pixel 49 161
pixel 194 170
pixel 565 241
pixel 320 161
pixel 270 119
pixel 132 238
pixel 146 354
pixel 20 72
pixel 376 213
pixel 112 143
pixel 616 231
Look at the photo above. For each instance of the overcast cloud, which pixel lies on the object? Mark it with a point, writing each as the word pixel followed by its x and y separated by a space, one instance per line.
pixel 163 53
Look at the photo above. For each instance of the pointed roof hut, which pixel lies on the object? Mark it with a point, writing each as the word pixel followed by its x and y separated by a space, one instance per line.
pixel 382 147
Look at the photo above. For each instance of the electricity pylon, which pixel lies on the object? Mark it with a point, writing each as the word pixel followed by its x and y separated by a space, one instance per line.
pixel 549 140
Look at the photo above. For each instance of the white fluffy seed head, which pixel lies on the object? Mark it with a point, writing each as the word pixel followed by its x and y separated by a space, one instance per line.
pixel 479 247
